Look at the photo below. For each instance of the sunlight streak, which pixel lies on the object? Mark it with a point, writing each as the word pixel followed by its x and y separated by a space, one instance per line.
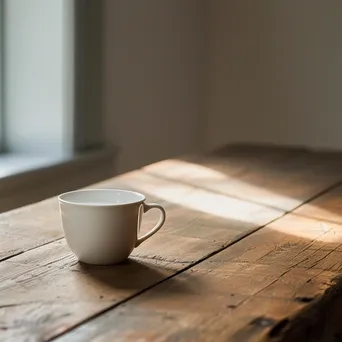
pixel 311 229
pixel 199 188
pixel 232 185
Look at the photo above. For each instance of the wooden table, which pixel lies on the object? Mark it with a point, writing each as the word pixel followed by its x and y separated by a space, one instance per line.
pixel 251 250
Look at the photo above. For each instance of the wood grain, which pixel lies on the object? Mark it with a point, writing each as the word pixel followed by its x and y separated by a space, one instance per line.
pixel 250 291
pixel 45 292
pixel 37 224
pixel 277 177
pixel 49 281
pixel 327 207
pixel 293 176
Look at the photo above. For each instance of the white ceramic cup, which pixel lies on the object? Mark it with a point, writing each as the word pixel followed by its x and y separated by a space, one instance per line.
pixel 101 226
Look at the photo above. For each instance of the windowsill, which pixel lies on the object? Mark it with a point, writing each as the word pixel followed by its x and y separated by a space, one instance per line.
pixel 12 164
pixel 25 179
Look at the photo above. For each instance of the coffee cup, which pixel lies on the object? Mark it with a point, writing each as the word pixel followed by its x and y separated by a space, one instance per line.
pixel 101 226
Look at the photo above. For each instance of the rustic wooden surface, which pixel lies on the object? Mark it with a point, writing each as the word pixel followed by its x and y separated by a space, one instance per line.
pixel 252 240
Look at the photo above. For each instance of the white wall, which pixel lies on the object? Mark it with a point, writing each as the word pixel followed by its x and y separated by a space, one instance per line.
pixel 182 75
pixel 153 78
pixel 275 72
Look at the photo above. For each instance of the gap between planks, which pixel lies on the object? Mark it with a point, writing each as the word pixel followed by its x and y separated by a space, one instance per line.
pixel 217 249
pixel 242 271
pixel 145 172
pixel 286 211
pixel 191 265
pixel 196 187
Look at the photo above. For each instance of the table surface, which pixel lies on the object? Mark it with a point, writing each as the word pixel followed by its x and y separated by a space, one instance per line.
pixel 251 250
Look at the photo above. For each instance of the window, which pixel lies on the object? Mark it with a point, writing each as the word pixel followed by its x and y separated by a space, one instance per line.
pixel 38 76
pixel 50 86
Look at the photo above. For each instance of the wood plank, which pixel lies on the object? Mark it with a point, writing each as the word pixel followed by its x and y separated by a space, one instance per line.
pixel 327 207
pixel 277 177
pixel 250 291
pixel 34 225
pixel 292 177
pixel 61 293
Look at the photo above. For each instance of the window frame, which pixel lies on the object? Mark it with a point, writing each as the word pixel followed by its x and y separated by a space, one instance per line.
pixel 1 77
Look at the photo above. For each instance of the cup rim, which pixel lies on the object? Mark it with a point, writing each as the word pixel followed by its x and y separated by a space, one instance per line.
pixel 61 200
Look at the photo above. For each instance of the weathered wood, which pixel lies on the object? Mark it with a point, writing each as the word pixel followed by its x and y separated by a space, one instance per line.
pixel 289 177
pixel 276 177
pixel 250 291
pixel 34 225
pixel 44 292
pixel 49 281
pixel 318 322
pixel 327 207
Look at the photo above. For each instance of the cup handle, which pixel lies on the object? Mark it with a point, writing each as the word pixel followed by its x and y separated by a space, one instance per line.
pixel 146 207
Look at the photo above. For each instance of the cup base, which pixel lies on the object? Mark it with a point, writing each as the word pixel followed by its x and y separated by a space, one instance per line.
pixel 102 263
